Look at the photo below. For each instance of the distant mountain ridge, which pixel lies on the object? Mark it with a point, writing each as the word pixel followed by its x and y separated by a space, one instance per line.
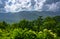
pixel 29 15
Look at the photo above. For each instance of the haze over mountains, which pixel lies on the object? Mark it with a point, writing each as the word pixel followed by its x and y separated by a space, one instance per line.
pixel 15 10
pixel 29 15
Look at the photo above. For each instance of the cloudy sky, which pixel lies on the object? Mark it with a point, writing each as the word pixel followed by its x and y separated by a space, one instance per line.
pixel 29 5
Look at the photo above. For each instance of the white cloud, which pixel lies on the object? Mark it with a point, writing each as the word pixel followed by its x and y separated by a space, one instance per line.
pixel 19 5
pixel 53 6
pixel 16 5
pixel 39 4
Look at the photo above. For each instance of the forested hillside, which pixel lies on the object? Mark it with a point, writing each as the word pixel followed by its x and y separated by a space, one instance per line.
pixel 29 15
pixel 40 28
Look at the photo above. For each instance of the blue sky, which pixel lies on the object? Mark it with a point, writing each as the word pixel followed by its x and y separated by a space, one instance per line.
pixel 29 5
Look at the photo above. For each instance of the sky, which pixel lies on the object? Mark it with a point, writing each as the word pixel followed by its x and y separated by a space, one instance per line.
pixel 29 5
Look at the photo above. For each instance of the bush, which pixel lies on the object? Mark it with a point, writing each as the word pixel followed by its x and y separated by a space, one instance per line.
pixel 29 34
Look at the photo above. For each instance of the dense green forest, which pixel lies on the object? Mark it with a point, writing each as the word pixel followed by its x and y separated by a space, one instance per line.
pixel 41 28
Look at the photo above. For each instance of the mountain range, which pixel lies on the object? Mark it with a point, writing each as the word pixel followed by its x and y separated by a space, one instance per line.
pixel 29 15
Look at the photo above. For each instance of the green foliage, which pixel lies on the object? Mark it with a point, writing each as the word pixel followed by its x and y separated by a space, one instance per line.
pixel 28 34
pixel 23 23
pixel 41 28
pixel 46 34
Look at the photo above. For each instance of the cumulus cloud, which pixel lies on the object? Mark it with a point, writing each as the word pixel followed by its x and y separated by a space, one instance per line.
pixel 30 5
pixel 53 6
pixel 20 5
pixel 17 5
pixel 39 4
